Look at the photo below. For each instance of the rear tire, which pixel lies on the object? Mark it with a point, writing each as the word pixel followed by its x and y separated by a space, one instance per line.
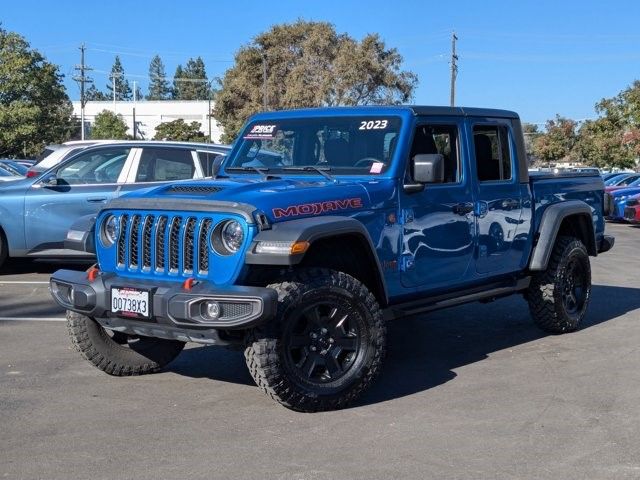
pixel 559 296
pixel 325 346
pixel 116 353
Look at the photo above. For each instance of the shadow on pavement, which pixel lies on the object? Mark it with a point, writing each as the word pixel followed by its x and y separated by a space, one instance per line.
pixel 424 351
pixel 19 266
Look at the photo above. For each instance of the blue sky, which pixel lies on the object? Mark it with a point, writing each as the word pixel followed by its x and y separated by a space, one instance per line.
pixel 536 57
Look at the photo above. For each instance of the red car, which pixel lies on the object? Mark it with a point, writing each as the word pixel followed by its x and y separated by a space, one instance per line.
pixel 632 210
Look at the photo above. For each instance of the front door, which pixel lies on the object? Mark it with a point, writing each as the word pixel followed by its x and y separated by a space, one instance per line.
pixel 85 184
pixel 499 198
pixel 438 233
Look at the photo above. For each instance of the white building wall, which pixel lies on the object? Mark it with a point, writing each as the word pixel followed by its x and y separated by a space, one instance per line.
pixel 150 113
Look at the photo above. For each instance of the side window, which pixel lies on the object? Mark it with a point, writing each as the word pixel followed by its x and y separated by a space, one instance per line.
pixel 165 164
pixel 207 159
pixel 493 160
pixel 96 167
pixel 442 139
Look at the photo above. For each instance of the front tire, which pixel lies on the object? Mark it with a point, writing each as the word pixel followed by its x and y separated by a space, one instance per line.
pixel 559 296
pixel 326 345
pixel 116 353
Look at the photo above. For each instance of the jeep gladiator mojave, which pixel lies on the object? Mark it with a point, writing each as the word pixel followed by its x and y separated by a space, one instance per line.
pixel 319 221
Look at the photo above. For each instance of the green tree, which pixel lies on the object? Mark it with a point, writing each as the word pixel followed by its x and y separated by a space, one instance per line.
pixel 613 139
pixel 531 133
pixel 181 131
pixel 34 107
pixel 308 65
pixel 159 88
pixel 108 125
pixel 92 93
pixel 123 89
pixel 558 141
pixel 191 82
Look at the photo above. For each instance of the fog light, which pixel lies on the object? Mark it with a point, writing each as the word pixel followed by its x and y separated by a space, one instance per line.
pixel 212 310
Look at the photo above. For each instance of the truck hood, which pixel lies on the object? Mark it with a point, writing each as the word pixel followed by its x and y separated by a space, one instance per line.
pixel 279 199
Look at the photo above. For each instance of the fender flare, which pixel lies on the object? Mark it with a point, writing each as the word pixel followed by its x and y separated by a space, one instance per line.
pixel 309 230
pixel 550 225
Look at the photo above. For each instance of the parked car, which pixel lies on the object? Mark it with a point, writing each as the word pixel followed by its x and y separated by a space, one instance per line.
pixel 13 166
pixel 616 201
pixel 36 213
pixel 632 209
pixel 293 256
pixel 621 177
pixel 629 180
pixel 54 154
pixel 7 176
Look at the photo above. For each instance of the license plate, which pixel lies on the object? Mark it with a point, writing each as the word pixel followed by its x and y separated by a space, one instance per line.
pixel 130 302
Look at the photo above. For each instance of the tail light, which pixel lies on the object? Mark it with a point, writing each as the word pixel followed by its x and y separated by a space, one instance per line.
pixel 32 173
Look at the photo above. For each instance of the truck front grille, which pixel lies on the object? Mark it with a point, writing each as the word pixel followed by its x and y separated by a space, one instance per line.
pixel 164 244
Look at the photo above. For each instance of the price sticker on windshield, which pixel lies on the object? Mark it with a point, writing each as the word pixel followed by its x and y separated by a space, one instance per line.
pixel 261 131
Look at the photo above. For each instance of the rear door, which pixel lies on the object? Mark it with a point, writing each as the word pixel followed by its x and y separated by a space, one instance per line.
pixel 498 208
pixel 85 184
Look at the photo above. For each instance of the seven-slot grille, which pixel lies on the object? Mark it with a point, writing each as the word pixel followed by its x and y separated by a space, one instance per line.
pixel 176 244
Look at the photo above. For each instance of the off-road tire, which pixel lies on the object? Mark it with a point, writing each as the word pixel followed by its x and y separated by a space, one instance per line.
pixel 266 350
pixel 148 355
pixel 545 294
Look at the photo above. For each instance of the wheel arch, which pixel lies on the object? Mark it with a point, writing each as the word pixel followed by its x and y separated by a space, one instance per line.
pixel 339 243
pixel 573 218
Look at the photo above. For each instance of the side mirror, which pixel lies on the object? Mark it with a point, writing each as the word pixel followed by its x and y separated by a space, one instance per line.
pixel 49 181
pixel 428 168
pixel 216 164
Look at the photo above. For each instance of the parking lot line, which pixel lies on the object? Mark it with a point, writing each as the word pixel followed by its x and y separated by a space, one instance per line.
pixel 22 282
pixel 43 319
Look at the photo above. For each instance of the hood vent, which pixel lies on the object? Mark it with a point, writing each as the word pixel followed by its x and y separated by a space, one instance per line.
pixel 193 189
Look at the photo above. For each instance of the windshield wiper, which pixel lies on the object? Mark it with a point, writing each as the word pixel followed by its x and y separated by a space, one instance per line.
pixel 261 170
pixel 312 168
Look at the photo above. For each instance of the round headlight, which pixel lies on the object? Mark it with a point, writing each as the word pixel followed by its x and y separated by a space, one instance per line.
pixel 232 236
pixel 109 230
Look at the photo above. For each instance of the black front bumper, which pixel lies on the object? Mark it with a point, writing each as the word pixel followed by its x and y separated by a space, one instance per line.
pixel 606 243
pixel 177 313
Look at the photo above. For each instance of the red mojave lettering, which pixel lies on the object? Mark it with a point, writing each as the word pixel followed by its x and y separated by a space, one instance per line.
pixel 317 208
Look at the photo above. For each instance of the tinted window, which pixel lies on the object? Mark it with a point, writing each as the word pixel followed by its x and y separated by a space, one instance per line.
pixel 165 164
pixel 207 159
pixel 345 145
pixel 493 160
pixel 99 166
pixel 442 139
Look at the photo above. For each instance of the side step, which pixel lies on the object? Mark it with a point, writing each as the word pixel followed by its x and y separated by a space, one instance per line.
pixel 456 298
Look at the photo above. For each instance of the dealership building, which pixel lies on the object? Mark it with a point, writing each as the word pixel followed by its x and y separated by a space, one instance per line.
pixel 149 114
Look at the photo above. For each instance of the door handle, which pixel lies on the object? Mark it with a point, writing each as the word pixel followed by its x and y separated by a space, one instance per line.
pixel 97 200
pixel 462 208
pixel 510 204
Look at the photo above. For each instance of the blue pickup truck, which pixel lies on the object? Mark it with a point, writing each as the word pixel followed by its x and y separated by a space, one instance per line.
pixel 319 226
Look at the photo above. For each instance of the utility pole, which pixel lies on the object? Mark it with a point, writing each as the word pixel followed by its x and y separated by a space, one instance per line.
pixel 134 109
pixel 264 81
pixel 82 79
pixel 454 68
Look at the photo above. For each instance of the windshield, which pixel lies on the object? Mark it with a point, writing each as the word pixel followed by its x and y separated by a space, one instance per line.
pixel 343 145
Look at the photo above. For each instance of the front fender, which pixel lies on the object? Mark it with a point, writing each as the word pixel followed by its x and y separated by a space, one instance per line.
pixel 310 230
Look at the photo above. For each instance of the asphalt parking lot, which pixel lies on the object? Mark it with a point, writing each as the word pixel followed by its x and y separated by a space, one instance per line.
pixel 473 392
